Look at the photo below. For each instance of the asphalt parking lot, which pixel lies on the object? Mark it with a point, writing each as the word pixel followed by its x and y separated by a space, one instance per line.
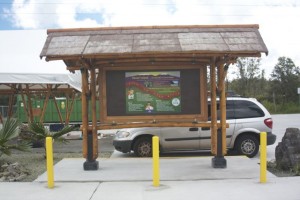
pixel 280 123
pixel 75 145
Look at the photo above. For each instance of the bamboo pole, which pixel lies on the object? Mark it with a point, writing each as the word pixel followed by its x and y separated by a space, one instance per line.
pixel 70 109
pixel 151 124
pixel 49 87
pixel 94 113
pixel 24 104
pixel 221 88
pixel 10 105
pixel 11 100
pixel 29 103
pixel 84 103
pixel 214 126
pixel 101 90
pixel 67 108
pixel 58 110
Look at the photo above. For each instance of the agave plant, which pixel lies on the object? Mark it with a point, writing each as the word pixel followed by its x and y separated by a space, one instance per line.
pixel 8 135
pixel 40 132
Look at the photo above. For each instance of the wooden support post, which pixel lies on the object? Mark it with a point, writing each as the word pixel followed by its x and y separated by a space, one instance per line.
pixel 10 105
pixel 11 102
pixel 25 104
pixel 29 103
pixel 94 114
pixel 213 97
pixel 70 109
pixel 222 92
pixel 88 139
pixel 101 85
pixel 84 103
pixel 67 108
pixel 49 87
pixel 219 161
pixel 58 110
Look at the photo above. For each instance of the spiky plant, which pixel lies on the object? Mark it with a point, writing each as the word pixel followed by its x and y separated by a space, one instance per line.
pixel 40 133
pixel 8 135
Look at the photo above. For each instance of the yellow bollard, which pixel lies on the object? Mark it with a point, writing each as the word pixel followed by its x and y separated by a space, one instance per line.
pixel 155 158
pixel 263 157
pixel 49 154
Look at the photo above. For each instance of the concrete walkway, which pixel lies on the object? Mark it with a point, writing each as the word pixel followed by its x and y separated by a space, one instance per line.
pixel 140 169
pixel 131 178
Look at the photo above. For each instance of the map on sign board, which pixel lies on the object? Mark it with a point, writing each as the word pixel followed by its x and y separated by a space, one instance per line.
pixel 153 92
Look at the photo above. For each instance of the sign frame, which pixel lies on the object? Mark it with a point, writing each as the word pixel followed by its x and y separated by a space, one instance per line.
pixel 202 86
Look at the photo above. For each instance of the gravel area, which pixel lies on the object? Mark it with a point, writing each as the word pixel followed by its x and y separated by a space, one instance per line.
pixel 35 162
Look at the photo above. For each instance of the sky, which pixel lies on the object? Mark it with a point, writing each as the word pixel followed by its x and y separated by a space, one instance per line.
pixel 277 19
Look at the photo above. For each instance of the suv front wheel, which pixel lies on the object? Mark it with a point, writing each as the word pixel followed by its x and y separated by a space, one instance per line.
pixel 247 145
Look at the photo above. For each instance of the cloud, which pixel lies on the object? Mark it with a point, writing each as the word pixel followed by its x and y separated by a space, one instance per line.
pixel 38 14
pixel 32 14
pixel 41 14
pixel 277 18
pixel 21 55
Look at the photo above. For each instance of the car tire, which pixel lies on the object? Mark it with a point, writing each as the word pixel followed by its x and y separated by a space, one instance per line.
pixel 247 145
pixel 143 147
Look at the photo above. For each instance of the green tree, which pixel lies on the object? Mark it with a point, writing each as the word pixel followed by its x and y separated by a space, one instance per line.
pixel 250 79
pixel 285 79
pixel 8 135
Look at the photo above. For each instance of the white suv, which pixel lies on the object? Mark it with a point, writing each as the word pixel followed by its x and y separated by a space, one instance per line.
pixel 246 118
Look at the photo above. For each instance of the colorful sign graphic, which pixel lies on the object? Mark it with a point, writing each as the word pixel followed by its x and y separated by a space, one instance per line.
pixel 154 92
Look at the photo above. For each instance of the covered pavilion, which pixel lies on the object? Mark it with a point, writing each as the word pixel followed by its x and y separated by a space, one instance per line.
pixel 47 85
pixel 106 55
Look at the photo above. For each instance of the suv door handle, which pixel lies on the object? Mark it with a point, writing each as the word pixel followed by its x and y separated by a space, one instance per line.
pixel 205 128
pixel 194 129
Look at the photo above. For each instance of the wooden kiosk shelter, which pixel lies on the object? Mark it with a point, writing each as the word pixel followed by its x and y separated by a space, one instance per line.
pixel 113 59
pixel 46 85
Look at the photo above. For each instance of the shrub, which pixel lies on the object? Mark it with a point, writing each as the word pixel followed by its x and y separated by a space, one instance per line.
pixel 8 137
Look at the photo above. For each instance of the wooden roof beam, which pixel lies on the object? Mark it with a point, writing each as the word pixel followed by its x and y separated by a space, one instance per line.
pixel 153 55
pixel 153 27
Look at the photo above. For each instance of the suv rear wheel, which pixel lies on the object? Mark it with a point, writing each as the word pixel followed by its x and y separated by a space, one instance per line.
pixel 247 145
pixel 143 147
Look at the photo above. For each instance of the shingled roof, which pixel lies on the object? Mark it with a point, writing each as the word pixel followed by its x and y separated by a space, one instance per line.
pixel 152 41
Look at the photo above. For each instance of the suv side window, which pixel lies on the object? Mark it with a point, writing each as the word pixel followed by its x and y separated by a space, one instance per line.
pixel 247 109
pixel 229 110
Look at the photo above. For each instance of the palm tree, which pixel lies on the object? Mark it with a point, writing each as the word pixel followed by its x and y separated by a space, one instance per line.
pixel 8 133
